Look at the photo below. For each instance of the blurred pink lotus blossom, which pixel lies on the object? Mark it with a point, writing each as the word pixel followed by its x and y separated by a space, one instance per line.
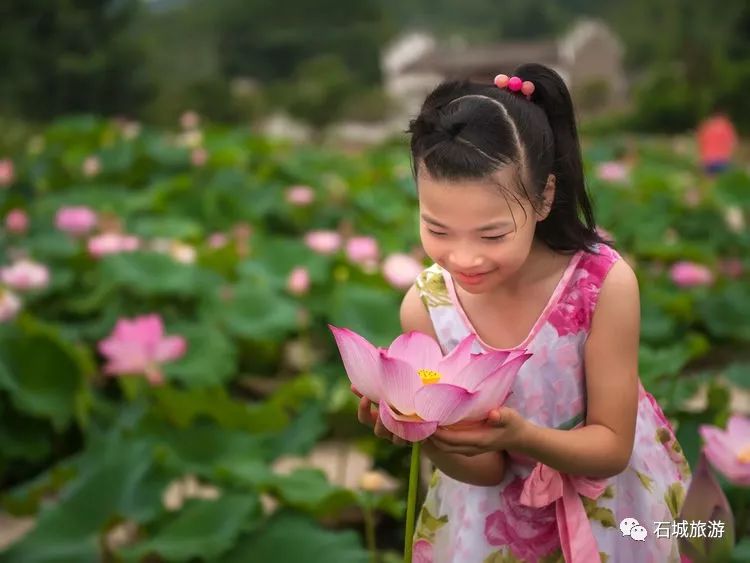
pixel 705 501
pixel 179 251
pixel 128 128
pixel 91 166
pixel 10 305
pixel 692 197
pixel 182 252
pixel 112 243
pixel 6 172
pixel 690 274
pixel 298 281
pixel 300 195
pixel 75 220
pixel 17 221
pixel 217 240
pixel 198 157
pixel 401 270
pixel 362 250
pixel 734 218
pixel 612 171
pixel 189 120
pixel 729 450
pixel 731 267
pixel 139 346
pixel 323 242
pixel 24 275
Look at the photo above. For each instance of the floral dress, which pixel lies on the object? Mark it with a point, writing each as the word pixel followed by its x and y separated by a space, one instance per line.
pixel 537 514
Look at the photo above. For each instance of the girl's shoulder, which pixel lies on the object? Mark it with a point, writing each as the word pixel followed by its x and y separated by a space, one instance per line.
pixel 595 264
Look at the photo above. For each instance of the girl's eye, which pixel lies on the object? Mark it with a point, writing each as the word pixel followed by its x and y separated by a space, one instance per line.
pixel 436 233
pixel 499 237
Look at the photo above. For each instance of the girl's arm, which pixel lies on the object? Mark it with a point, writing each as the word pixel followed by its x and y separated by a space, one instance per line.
pixel 602 447
pixel 484 470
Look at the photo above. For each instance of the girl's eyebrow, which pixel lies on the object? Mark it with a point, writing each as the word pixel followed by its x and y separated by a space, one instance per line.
pixel 488 227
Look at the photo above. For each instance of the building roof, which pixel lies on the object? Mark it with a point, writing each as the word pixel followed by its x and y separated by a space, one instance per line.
pixel 485 61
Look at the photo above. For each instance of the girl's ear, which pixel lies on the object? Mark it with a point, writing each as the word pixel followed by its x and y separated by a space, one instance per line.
pixel 548 197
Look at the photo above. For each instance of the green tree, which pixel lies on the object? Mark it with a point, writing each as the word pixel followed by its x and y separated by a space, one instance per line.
pixel 70 56
pixel 266 41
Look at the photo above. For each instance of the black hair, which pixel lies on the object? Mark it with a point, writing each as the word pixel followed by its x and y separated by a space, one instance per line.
pixel 467 130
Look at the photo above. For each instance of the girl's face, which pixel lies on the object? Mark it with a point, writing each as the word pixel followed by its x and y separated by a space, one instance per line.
pixel 480 236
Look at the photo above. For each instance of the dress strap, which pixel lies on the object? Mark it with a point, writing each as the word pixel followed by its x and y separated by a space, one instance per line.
pixel 445 320
pixel 575 309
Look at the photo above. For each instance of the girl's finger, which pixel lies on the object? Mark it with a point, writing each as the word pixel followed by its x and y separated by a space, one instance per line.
pixel 455 449
pixel 364 412
pixel 381 431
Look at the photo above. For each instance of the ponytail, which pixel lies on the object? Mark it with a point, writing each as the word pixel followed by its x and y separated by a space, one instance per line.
pixel 571 216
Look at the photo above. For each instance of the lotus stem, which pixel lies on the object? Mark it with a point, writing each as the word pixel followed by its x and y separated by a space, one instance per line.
pixel 411 504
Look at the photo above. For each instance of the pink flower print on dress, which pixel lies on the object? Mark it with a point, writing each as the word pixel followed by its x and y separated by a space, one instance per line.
pixel 569 317
pixel 530 533
pixel 422 552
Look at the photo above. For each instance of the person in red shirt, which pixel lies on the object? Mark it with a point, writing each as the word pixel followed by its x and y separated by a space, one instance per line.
pixel 717 140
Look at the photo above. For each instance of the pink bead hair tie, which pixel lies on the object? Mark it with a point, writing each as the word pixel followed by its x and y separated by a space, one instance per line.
pixel 514 84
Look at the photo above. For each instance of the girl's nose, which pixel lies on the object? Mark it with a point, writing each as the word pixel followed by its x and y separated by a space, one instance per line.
pixel 464 260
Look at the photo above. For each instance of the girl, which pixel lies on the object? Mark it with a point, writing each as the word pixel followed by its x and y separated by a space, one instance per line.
pixel 580 465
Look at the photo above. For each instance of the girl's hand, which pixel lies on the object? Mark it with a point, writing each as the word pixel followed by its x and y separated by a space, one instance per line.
pixel 504 429
pixel 367 414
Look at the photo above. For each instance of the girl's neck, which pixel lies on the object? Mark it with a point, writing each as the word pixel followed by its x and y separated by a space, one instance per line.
pixel 541 263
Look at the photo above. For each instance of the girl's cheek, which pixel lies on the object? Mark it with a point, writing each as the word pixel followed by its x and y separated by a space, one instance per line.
pixel 431 250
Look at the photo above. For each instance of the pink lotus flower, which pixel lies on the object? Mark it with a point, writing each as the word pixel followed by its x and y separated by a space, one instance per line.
pixel 417 389
pixel 24 275
pixel 731 267
pixel 729 450
pixel 217 240
pixel 138 346
pixel 189 120
pixel 112 243
pixel 6 172
pixel 734 218
pixel 400 270
pixel 198 157
pixel 9 305
pixel 16 221
pixel 323 242
pixel 91 166
pixel 298 281
pixel 612 171
pixel 362 250
pixel 689 274
pixel 705 501
pixel 75 220
pixel 692 197
pixel 300 195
